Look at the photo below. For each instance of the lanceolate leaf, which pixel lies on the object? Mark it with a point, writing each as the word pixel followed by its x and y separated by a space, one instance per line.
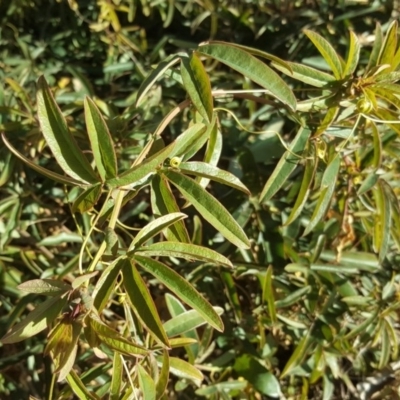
pixel 182 369
pixel 252 68
pixel 48 287
pixel 138 172
pixel 389 45
pixel 206 170
pixel 197 84
pixel 376 48
pixel 79 388
pixel 353 56
pixel 116 380
pixel 154 75
pixel 184 250
pixel 155 227
pixel 100 139
pixel 306 74
pixel 181 288
pixel 143 303
pixel 49 174
pixel 186 321
pixel 189 139
pixel 311 166
pixel 146 384
pixel 210 208
pixel 382 221
pixel 163 202
pixel 114 340
pixel 328 52
pixel 327 189
pixel 41 317
pixel 163 378
pixel 62 144
pixel 286 165
pixel 87 199
pixel 106 285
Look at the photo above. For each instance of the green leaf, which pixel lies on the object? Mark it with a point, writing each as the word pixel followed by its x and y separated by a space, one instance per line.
pixel 154 228
pixel 116 378
pixel 48 287
pixel 106 285
pixel 383 220
pixel 327 52
pixel 257 375
pixel 101 142
pixel 184 250
pixel 326 192
pixel 205 170
pixel 286 165
pixel 79 388
pixel 182 369
pixel 268 295
pixel 181 288
pixel 197 84
pixel 213 151
pixel 36 321
pixel 87 199
pixel 162 203
pixel 210 208
pixel 195 136
pixel 49 174
pixel 353 55
pixel 142 302
pixel 62 144
pixel 376 48
pixel 389 45
pixel 309 172
pixel 293 297
pixel 163 376
pixel 306 74
pixel 154 75
pixel 114 340
pixel 252 68
pixel 186 321
pixel 140 171
pixel 297 356
pixel 146 384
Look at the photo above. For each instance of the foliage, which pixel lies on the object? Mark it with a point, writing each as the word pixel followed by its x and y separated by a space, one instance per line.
pixel 224 224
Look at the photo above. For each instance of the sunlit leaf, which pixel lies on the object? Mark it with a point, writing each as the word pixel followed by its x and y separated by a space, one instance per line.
pixel 251 67
pixel 62 144
pixel 101 142
pixel 209 207
pixel 197 84
pixel 181 288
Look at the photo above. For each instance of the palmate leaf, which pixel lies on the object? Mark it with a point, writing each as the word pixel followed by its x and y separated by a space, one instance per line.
pixel 181 288
pixel 62 144
pixel 197 84
pixel 252 68
pixel 209 207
